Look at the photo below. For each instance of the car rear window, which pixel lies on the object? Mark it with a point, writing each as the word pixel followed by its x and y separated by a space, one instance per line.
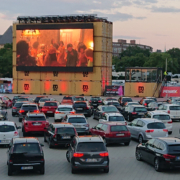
pixel 91 147
pixel 149 100
pixel 79 99
pixel 22 99
pixel 36 118
pixel 67 98
pixel 50 104
pixel 162 117
pixel 126 100
pixel 95 99
pixel 118 128
pixel 37 99
pixel 116 118
pixel 140 109
pixel 174 148
pixel 76 120
pixel 29 107
pixel 7 128
pixel 111 99
pixel 18 105
pixel 156 125
pixel 43 100
pixel 113 103
pixel 31 148
pixel 80 104
pixel 109 109
pixel 65 130
pixel 174 107
pixel 64 109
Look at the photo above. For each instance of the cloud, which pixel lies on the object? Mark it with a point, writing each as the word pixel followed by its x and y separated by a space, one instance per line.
pixel 165 9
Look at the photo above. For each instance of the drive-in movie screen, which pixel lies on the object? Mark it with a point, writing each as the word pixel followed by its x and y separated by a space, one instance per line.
pixel 54 49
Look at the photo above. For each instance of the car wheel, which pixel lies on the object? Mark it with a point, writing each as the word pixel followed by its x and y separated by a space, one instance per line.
pixel 140 139
pixel 9 171
pixel 94 116
pixel 157 165
pixel 126 143
pixel 67 156
pixel 170 132
pixel 73 171
pixel 106 170
pixel 138 155
pixel 42 170
pixel 45 139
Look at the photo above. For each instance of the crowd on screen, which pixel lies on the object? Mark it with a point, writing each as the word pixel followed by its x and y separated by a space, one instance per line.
pixel 56 55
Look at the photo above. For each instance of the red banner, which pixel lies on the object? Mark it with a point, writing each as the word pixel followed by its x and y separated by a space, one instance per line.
pixel 170 92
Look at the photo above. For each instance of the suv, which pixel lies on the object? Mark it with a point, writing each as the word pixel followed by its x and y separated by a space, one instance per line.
pixel 82 108
pixel 27 108
pixel 79 122
pixel 34 122
pixel 162 153
pixel 95 101
pixel 49 107
pixel 25 154
pixel 17 107
pixel 59 134
pixel 88 152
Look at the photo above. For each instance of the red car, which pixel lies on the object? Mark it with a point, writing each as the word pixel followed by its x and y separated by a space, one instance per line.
pixel 112 132
pixel 34 122
pixel 67 100
pixel 6 101
pixel 49 107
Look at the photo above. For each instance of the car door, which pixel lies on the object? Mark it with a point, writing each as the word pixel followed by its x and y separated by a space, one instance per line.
pixel 50 133
pixel 103 130
pixel 131 127
pixel 138 128
pixel 72 148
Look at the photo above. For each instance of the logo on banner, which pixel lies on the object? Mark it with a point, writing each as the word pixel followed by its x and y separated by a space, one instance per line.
pixel 55 87
pixel 26 87
pixel 85 74
pixel 26 73
pixel 85 88
pixel 141 89
pixel 55 73
pixel 170 91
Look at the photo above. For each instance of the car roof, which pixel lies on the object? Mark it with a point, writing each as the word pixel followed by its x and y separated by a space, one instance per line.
pixel 114 114
pixel 106 105
pixel 75 115
pixel 25 140
pixel 35 114
pixel 149 120
pixel 89 138
pixel 62 124
pixel 113 123
pixel 170 140
pixel 158 112
pixel 113 101
pixel 7 123
pixel 95 97
pixel 65 105
pixel 171 105
pixel 30 104
pixel 21 102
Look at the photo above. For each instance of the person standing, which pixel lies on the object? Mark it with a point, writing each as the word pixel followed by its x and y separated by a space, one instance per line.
pixel 61 54
pixel 82 58
pixel 72 56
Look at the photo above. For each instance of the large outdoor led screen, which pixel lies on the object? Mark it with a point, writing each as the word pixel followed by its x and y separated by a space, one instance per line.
pixel 60 47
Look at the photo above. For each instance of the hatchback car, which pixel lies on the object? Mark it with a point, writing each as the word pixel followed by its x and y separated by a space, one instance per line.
pixel 95 101
pixel 25 154
pixel 8 130
pixel 82 108
pixel 49 107
pixel 43 100
pixel 162 153
pixel 87 152
pixel 59 134
pixel 17 107
pixel 34 123
pixel 144 129
pixel 112 132
pixel 123 100
pixel 62 111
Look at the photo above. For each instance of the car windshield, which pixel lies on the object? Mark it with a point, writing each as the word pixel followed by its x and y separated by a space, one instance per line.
pixel 126 100
pixel 43 100
pixel 7 128
pixel 18 105
pixel 140 109
pixel 67 98
pixel 95 99
pixel 113 103
pixel 64 109
pixel 174 107
pixel 156 125
pixel 162 117
pixel 36 118
pixel 91 147
pixel 65 130
pixel 76 120
pixel 116 118
pixel 109 109
pixel 22 99
pixel 32 148
pixel 174 148
pixel 29 108
pixel 118 128
pixel 50 104
pixel 78 99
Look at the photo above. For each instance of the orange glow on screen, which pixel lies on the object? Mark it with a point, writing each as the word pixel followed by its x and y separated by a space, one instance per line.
pixel 29 32
pixel 47 85
pixel 63 87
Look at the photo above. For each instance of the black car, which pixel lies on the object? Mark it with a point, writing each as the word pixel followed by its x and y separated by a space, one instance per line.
pixel 162 152
pixel 116 104
pixel 27 108
pixel 59 134
pixel 86 152
pixel 17 107
pixel 95 101
pixel 25 154
pixel 38 98
pixel 14 99
pixel 82 108
pixel 135 111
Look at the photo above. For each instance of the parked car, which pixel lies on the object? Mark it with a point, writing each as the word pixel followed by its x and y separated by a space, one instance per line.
pixel 14 99
pixel 62 111
pixel 25 154
pixel 104 109
pixel 43 100
pixel 114 103
pixel 87 152
pixel 34 123
pixel 17 107
pixel 152 98
pixel 6 101
pixel 145 102
pixel 112 132
pixel 8 130
pixel 113 117
pixel 79 122
pixel 59 134
pixel 25 108
pixel 163 117
pixel 162 153
pixel 38 98
pixel 49 107
pixel 67 100
pixel 78 98
pixel 144 129
pixel 95 101
pixel 20 99
pixel 123 100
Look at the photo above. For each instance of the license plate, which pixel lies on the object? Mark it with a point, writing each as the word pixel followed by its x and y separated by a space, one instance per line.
pixel 77 126
pixel 49 112
pixel 141 113
pixel 79 108
pixel 27 167
pixel 119 134
pixel 91 160
pixel 66 137
pixel 4 141
pixel 36 124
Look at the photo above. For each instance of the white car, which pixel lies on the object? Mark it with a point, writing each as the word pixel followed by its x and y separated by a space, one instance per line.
pixel 113 117
pixel 163 117
pixel 8 130
pixel 110 101
pixel 62 111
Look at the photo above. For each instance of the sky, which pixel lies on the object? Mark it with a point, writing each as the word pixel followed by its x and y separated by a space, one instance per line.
pixel 150 22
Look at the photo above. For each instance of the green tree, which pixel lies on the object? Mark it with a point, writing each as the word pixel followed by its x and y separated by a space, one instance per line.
pixel 175 54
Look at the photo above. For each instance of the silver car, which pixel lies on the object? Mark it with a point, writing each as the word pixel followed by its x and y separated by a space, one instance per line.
pixel 144 129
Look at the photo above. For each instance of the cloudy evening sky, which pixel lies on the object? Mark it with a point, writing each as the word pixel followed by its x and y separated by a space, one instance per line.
pixel 150 22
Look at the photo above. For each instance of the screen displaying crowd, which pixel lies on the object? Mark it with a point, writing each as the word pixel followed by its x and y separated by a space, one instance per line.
pixel 62 47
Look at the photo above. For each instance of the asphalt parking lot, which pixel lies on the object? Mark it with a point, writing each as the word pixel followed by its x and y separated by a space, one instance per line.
pixel 123 164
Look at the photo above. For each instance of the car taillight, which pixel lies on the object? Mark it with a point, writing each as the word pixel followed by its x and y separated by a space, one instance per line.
pixel 72 112
pixel 149 131
pixel 145 104
pixel 134 113
pixel 165 130
pixel 58 112
pixel 168 157
pixel 37 111
pixel 104 154
pixel 169 112
pixel 38 104
pixel 14 108
pixel 16 133
pixel 86 108
pixel 10 160
pixel 54 136
pixel 42 159
pixel 21 111
pixel 170 122
pixel 78 155
pixel 100 101
pixel 128 133
pixel 90 101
